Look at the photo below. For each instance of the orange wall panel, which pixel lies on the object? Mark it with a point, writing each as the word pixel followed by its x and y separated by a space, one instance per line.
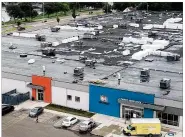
pixel 34 94
pixel 46 83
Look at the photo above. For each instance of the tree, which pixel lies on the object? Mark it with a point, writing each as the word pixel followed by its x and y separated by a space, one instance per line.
pixel 74 13
pixel 18 23
pixel 49 8
pixel 34 13
pixel 58 19
pixel 26 8
pixel 14 11
pixel 107 8
pixel 65 8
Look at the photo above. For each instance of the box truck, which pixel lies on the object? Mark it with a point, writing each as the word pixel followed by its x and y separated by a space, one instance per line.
pixel 144 127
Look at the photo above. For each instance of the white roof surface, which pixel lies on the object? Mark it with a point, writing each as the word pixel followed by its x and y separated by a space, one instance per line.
pixel 145 120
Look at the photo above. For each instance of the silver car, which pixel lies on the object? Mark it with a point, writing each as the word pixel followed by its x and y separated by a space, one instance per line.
pixel 58 124
pixel 86 126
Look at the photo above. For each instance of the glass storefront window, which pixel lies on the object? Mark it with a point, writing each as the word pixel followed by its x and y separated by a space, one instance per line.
pixel 169 119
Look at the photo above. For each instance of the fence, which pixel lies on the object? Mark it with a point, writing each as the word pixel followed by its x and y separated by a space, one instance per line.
pixel 14 98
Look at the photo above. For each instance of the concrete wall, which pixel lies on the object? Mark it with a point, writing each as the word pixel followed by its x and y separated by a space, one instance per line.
pixel 59 97
pixel 10 84
pixel 112 107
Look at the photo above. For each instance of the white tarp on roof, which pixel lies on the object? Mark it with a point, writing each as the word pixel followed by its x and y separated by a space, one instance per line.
pixel 55 44
pixel 157 44
pixel 173 26
pixel 115 26
pixel 173 20
pixel 152 46
pixel 126 52
pixel 134 25
pixel 141 54
pixel 67 27
pixel 170 23
pixel 27 35
pixel 143 40
pixel 127 10
pixel 69 40
pixel 161 42
pixel 100 27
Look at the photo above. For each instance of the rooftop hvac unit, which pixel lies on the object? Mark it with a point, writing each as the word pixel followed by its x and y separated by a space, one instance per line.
pixel 45 44
pixel 49 52
pixel 82 58
pixel 165 83
pixel 145 72
pixel 40 37
pixel 55 29
pixel 152 34
pixel 90 63
pixel 173 57
pixel 78 71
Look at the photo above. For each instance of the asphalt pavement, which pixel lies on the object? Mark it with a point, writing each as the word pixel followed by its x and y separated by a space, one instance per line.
pixel 23 126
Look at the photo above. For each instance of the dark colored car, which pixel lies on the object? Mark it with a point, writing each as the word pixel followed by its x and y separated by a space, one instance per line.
pixel 36 111
pixel 7 108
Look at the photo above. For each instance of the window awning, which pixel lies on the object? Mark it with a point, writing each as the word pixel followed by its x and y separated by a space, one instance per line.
pixel 140 104
pixel 35 86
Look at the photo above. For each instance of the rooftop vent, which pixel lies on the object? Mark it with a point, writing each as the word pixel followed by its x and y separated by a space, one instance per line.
pixel 165 83
pixel 145 72
pixel 23 55
pixel 40 37
pixel 173 57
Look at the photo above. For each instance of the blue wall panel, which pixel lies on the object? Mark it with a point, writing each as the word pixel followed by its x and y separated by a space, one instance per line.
pixel 113 107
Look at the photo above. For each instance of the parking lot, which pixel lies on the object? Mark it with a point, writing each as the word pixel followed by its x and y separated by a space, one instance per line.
pixel 18 124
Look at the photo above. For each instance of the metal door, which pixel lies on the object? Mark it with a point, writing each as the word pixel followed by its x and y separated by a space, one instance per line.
pixel 40 95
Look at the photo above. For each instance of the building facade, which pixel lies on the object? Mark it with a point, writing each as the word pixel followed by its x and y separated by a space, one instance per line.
pixel 95 98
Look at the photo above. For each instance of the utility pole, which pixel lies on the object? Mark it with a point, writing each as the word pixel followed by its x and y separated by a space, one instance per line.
pixel 147 7
pixel 107 7
pixel 43 11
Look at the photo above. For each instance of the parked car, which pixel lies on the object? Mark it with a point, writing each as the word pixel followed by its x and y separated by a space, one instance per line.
pixel 58 124
pixel 68 121
pixel 86 125
pixel 6 109
pixel 36 111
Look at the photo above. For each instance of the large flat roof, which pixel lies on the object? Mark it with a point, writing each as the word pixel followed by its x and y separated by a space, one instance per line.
pixel 11 62
pixel 159 68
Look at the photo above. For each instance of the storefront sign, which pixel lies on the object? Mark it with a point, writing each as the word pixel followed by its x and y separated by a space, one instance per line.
pixel 103 99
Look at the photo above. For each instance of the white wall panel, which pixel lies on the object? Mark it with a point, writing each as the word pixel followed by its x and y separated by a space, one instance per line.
pixel 181 122
pixel 59 96
pixel 10 84
pixel 84 100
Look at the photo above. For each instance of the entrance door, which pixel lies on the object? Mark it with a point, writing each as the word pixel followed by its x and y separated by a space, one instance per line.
pixel 40 95
pixel 130 112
